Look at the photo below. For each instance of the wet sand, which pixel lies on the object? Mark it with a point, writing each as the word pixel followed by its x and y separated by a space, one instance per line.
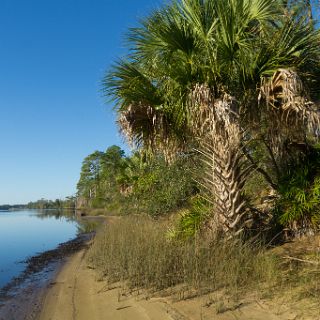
pixel 21 299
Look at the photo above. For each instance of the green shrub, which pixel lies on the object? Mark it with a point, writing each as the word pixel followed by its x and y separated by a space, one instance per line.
pixel 190 219
pixel 298 206
pixel 136 183
pixel 160 188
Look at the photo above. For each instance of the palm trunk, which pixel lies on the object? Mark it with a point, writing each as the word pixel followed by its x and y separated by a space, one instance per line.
pixel 224 179
pixel 217 126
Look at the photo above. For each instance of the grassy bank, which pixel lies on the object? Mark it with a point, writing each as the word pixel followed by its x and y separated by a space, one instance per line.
pixel 138 252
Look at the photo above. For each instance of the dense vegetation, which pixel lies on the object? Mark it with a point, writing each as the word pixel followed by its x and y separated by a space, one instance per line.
pixel 219 99
pixel 135 184
pixel 216 96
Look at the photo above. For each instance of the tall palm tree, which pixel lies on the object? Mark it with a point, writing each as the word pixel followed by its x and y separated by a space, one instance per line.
pixel 216 75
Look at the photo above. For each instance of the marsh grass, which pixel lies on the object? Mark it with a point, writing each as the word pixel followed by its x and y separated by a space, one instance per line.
pixel 136 251
pixel 303 278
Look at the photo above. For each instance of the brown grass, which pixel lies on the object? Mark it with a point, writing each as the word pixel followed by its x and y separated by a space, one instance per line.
pixel 138 252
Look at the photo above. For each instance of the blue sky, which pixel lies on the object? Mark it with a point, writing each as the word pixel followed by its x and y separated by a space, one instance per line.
pixel 53 54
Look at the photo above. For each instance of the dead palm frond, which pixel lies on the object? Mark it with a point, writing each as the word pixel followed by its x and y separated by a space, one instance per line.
pixel 144 126
pixel 291 113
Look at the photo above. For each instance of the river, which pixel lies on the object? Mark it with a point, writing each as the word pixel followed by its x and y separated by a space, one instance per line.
pixel 26 233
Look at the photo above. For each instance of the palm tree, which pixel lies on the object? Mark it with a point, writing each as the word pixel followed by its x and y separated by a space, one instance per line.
pixel 218 75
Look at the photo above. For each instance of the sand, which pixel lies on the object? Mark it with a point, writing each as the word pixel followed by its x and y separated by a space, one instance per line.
pixel 77 294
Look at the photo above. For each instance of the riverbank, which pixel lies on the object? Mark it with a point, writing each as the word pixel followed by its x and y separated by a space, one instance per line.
pixel 81 289
pixel 70 285
pixel 22 297
pixel 78 293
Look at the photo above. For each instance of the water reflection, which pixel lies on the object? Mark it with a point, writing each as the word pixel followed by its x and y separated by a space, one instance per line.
pixel 67 214
pixel 27 232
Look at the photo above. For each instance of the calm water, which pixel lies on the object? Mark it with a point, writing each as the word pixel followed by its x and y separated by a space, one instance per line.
pixel 26 233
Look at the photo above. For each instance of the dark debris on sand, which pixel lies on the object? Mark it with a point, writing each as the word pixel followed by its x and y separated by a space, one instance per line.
pixel 40 262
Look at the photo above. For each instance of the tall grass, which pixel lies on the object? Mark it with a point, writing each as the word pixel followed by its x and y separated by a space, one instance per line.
pixel 138 252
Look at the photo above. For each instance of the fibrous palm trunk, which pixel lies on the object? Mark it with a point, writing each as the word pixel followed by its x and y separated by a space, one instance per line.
pixel 216 124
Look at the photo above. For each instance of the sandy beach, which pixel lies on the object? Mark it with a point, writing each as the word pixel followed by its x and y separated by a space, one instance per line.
pixel 78 294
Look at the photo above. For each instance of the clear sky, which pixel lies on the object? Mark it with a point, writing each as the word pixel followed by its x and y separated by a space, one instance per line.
pixel 53 54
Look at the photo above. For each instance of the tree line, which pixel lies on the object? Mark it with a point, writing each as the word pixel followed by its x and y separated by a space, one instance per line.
pixel 67 203
pixel 135 183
